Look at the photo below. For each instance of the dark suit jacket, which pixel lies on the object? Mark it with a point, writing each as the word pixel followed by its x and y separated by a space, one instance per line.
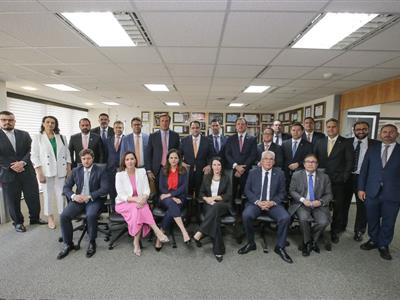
pixel 224 188
pixel 303 148
pixel 154 150
pixel 7 154
pixel 180 192
pixel 248 155
pixel 221 151
pixel 339 164
pixel 98 182
pixel 253 186
pixel 374 179
pixel 113 159
pixel 274 148
pixel 95 144
pixel 110 131
pixel 203 153
pixel 315 137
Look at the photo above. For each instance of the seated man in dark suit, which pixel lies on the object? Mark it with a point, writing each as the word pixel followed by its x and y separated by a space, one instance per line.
pixel 91 187
pixel 268 144
pixel 311 193
pixel 265 192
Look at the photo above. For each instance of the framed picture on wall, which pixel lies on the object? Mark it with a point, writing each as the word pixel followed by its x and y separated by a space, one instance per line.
pixel 230 128
pixel 293 116
pixel 217 116
pixel 180 117
pixel 300 114
pixel 254 131
pixel 181 129
pixel 281 116
pixel 319 126
pixel 319 110
pixel 308 111
pixel 286 128
pixel 267 118
pixel 199 116
pixel 287 116
pixel 231 117
pixel 264 126
pixel 145 116
pixel 252 119
pixel 156 117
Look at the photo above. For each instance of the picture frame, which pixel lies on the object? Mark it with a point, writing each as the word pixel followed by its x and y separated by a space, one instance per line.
pixel 300 114
pixel 254 131
pixel 181 129
pixel 294 116
pixel 203 126
pixel 264 126
pixel 180 117
pixel 230 128
pixel 319 110
pixel 156 117
pixel 287 116
pixel 218 116
pixel 155 129
pixel 319 126
pixel 281 116
pixel 267 118
pixel 231 117
pixel 145 116
pixel 252 119
pixel 199 116
pixel 286 128
pixel 308 111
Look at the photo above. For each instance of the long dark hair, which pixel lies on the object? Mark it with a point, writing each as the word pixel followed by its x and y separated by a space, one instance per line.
pixel 167 168
pixel 56 128
pixel 122 165
pixel 219 159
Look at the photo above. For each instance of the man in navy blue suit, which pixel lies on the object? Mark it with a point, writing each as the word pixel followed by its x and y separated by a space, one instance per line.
pixel 114 143
pixel 268 144
pixel 378 186
pixel 217 140
pixel 91 188
pixel 265 191
pixel 240 154
pixel 309 134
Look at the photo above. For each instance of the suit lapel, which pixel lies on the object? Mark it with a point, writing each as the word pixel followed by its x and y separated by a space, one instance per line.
pixel 7 141
pixel 393 155
pixel 336 146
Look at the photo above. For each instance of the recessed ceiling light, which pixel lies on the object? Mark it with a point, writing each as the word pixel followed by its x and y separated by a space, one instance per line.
pixel 172 103
pixel 62 87
pixel 100 27
pixel 156 87
pixel 256 89
pixel 110 103
pixel 329 29
pixel 89 103
pixel 236 104
pixel 29 88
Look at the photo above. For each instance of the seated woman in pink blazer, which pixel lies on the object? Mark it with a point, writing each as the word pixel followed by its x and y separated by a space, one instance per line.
pixel 133 191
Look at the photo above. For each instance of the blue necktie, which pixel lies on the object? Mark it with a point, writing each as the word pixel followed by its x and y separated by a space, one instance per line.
pixel 294 148
pixel 86 180
pixel 216 143
pixel 103 135
pixel 311 187
pixel 265 187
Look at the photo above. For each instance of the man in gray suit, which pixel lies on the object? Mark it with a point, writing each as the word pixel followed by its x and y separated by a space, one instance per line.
pixel 311 192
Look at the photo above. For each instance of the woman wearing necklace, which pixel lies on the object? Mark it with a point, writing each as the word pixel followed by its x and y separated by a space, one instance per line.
pixel 173 188
pixel 216 192
pixel 52 161
pixel 133 190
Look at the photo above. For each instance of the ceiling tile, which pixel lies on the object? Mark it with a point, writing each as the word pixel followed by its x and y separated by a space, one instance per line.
pixel 310 83
pixel 190 70
pixel 270 81
pixel 347 84
pixel 336 72
pixel 392 64
pixel 361 59
pixel 144 70
pixel 75 55
pixel 188 55
pixel 237 71
pixel 174 5
pixel 7 6
pixel 246 56
pixel 86 6
pixel 25 56
pixel 374 74
pixel 304 57
pixel 48 70
pixel 9 41
pixel 285 72
pixel 281 5
pixel 391 6
pixel 131 54
pixel 385 40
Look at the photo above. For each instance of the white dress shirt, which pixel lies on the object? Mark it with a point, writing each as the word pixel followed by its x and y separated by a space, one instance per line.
pixel 11 136
pixel 363 150
pixel 390 149
pixel 214 187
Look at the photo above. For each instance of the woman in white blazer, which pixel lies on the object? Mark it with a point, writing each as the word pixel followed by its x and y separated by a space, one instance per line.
pixel 133 190
pixel 52 161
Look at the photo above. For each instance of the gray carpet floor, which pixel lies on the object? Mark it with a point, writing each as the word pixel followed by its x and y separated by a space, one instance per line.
pixel 29 270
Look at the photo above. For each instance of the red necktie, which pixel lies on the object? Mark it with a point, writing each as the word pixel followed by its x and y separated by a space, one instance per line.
pixel 241 142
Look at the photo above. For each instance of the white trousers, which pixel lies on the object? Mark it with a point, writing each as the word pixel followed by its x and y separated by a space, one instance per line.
pixel 52 193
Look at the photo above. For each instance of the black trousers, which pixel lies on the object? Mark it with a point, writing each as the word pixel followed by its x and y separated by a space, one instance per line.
pixel 195 179
pixel 24 182
pixel 341 206
pixel 238 184
pixel 360 224
pixel 211 225
pixel 112 191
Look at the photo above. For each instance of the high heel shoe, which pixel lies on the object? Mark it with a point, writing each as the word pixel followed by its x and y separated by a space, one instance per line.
pixel 163 238
pixel 158 249
pixel 219 258
pixel 187 242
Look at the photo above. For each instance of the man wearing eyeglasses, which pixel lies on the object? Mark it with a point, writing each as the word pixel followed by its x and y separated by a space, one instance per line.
pixel 311 192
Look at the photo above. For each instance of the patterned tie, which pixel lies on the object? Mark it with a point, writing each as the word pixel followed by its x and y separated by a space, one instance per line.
pixel 266 147
pixel 164 148
pixel 85 143
pixel 311 187
pixel 137 150
pixel 195 147
pixel 330 146
pixel 294 148
pixel 265 187
pixel 309 137
pixel 117 142
pixel 216 143
pixel 103 135
pixel 357 156
pixel 385 155
pixel 240 143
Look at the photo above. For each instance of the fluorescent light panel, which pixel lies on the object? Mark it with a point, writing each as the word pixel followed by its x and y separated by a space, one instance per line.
pixel 172 103
pixel 89 103
pixel 101 27
pixel 29 88
pixel 157 87
pixel 256 89
pixel 62 87
pixel 331 29
pixel 110 103
pixel 236 104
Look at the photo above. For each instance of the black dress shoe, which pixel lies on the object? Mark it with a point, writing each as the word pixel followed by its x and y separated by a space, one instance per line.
pixel 384 252
pixel 358 236
pixel 65 251
pixel 282 253
pixel 328 246
pixel 369 245
pixel 334 237
pixel 306 249
pixel 38 222
pixel 314 247
pixel 198 243
pixel 91 250
pixel 219 258
pixel 20 228
pixel 247 248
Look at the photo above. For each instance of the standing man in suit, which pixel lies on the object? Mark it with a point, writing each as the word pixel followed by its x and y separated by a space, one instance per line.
pixel 240 154
pixel 309 134
pixel 91 187
pixel 196 152
pixel 159 144
pixel 268 144
pixel 335 155
pixel 217 140
pixel 360 143
pixel 379 188
pixel 136 142
pixel 114 150
pixel 265 192
pixel 16 172
pixel 104 131
pixel 294 151
pixel 279 136
pixel 311 193
pixel 84 140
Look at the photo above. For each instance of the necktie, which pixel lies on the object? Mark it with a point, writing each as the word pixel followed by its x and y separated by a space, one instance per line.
pixel 164 148
pixel 266 147
pixel 265 187
pixel 330 146
pixel 356 156
pixel 11 137
pixel 117 142
pixel 216 143
pixel 103 135
pixel 276 139
pixel 86 178
pixel 195 147
pixel 311 187
pixel 241 142
pixel 385 155
pixel 309 137
pixel 137 150
pixel 294 148
pixel 85 141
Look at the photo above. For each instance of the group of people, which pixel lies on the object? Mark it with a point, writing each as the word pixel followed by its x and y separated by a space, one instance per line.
pixel 304 174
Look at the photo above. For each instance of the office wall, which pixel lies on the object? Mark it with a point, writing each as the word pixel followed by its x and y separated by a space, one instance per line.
pixel 3 96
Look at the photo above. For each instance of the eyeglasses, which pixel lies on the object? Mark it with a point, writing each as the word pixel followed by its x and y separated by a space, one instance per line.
pixel 7 120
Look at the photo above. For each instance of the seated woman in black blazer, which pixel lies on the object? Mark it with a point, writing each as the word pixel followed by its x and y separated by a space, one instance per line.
pixel 173 187
pixel 216 191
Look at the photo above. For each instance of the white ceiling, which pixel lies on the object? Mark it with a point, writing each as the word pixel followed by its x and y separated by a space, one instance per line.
pixel 207 49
